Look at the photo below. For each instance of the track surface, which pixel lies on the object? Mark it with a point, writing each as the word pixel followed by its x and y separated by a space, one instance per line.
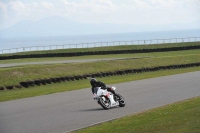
pixel 66 61
pixel 63 112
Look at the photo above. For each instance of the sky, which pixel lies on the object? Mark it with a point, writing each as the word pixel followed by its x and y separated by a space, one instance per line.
pixel 137 12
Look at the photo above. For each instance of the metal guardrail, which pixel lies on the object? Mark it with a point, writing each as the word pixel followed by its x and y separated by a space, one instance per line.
pixel 100 44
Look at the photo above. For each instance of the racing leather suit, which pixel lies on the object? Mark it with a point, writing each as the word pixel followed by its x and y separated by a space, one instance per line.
pixel 102 85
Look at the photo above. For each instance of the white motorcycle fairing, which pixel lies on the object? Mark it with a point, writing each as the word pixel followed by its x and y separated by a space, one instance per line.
pixel 105 98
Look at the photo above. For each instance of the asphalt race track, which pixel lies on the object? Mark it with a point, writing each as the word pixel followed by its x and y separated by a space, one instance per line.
pixel 64 112
pixel 66 61
pixel 53 62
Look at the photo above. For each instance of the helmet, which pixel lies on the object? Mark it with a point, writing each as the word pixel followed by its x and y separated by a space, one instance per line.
pixel 93 81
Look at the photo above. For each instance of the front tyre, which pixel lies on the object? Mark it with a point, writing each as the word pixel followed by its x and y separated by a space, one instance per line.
pixel 120 99
pixel 105 103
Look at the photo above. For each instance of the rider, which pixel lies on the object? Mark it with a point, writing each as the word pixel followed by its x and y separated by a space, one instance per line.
pixel 94 83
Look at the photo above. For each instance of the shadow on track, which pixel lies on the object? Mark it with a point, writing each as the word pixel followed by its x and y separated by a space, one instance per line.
pixel 97 109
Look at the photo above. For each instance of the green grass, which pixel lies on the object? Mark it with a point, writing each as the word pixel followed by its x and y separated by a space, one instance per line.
pixel 181 117
pixel 154 54
pixel 74 85
pixel 121 47
pixel 14 75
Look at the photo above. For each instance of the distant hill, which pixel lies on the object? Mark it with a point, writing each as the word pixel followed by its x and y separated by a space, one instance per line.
pixel 58 26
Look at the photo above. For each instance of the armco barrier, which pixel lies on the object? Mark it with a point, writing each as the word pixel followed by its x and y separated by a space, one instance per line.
pixel 99 52
pixel 103 44
pixel 38 82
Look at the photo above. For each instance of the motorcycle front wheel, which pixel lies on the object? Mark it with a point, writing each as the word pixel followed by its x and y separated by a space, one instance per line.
pixel 105 103
pixel 121 100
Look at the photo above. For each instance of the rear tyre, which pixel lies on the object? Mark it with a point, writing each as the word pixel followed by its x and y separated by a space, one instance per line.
pixel 105 103
pixel 120 99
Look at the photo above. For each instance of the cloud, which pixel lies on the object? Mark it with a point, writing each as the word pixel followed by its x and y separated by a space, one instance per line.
pixel 3 11
pixel 94 6
pixel 47 5
pixel 163 3
pixel 140 4
pixel 19 7
pixel 30 11
pixel 104 11
pixel 14 11
pixel 3 6
pixel 104 3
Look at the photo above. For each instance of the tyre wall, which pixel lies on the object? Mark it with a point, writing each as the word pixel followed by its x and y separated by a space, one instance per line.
pixel 39 82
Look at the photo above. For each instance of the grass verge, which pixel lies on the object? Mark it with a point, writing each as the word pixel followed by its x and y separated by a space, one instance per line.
pixel 75 85
pixel 12 76
pixel 181 117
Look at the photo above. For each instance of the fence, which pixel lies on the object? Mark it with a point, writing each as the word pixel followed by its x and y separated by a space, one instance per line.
pixel 101 44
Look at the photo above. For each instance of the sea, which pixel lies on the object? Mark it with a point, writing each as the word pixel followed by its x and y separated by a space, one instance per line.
pixel 12 45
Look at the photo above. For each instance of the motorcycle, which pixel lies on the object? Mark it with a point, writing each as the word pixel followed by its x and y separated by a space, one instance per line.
pixel 106 99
